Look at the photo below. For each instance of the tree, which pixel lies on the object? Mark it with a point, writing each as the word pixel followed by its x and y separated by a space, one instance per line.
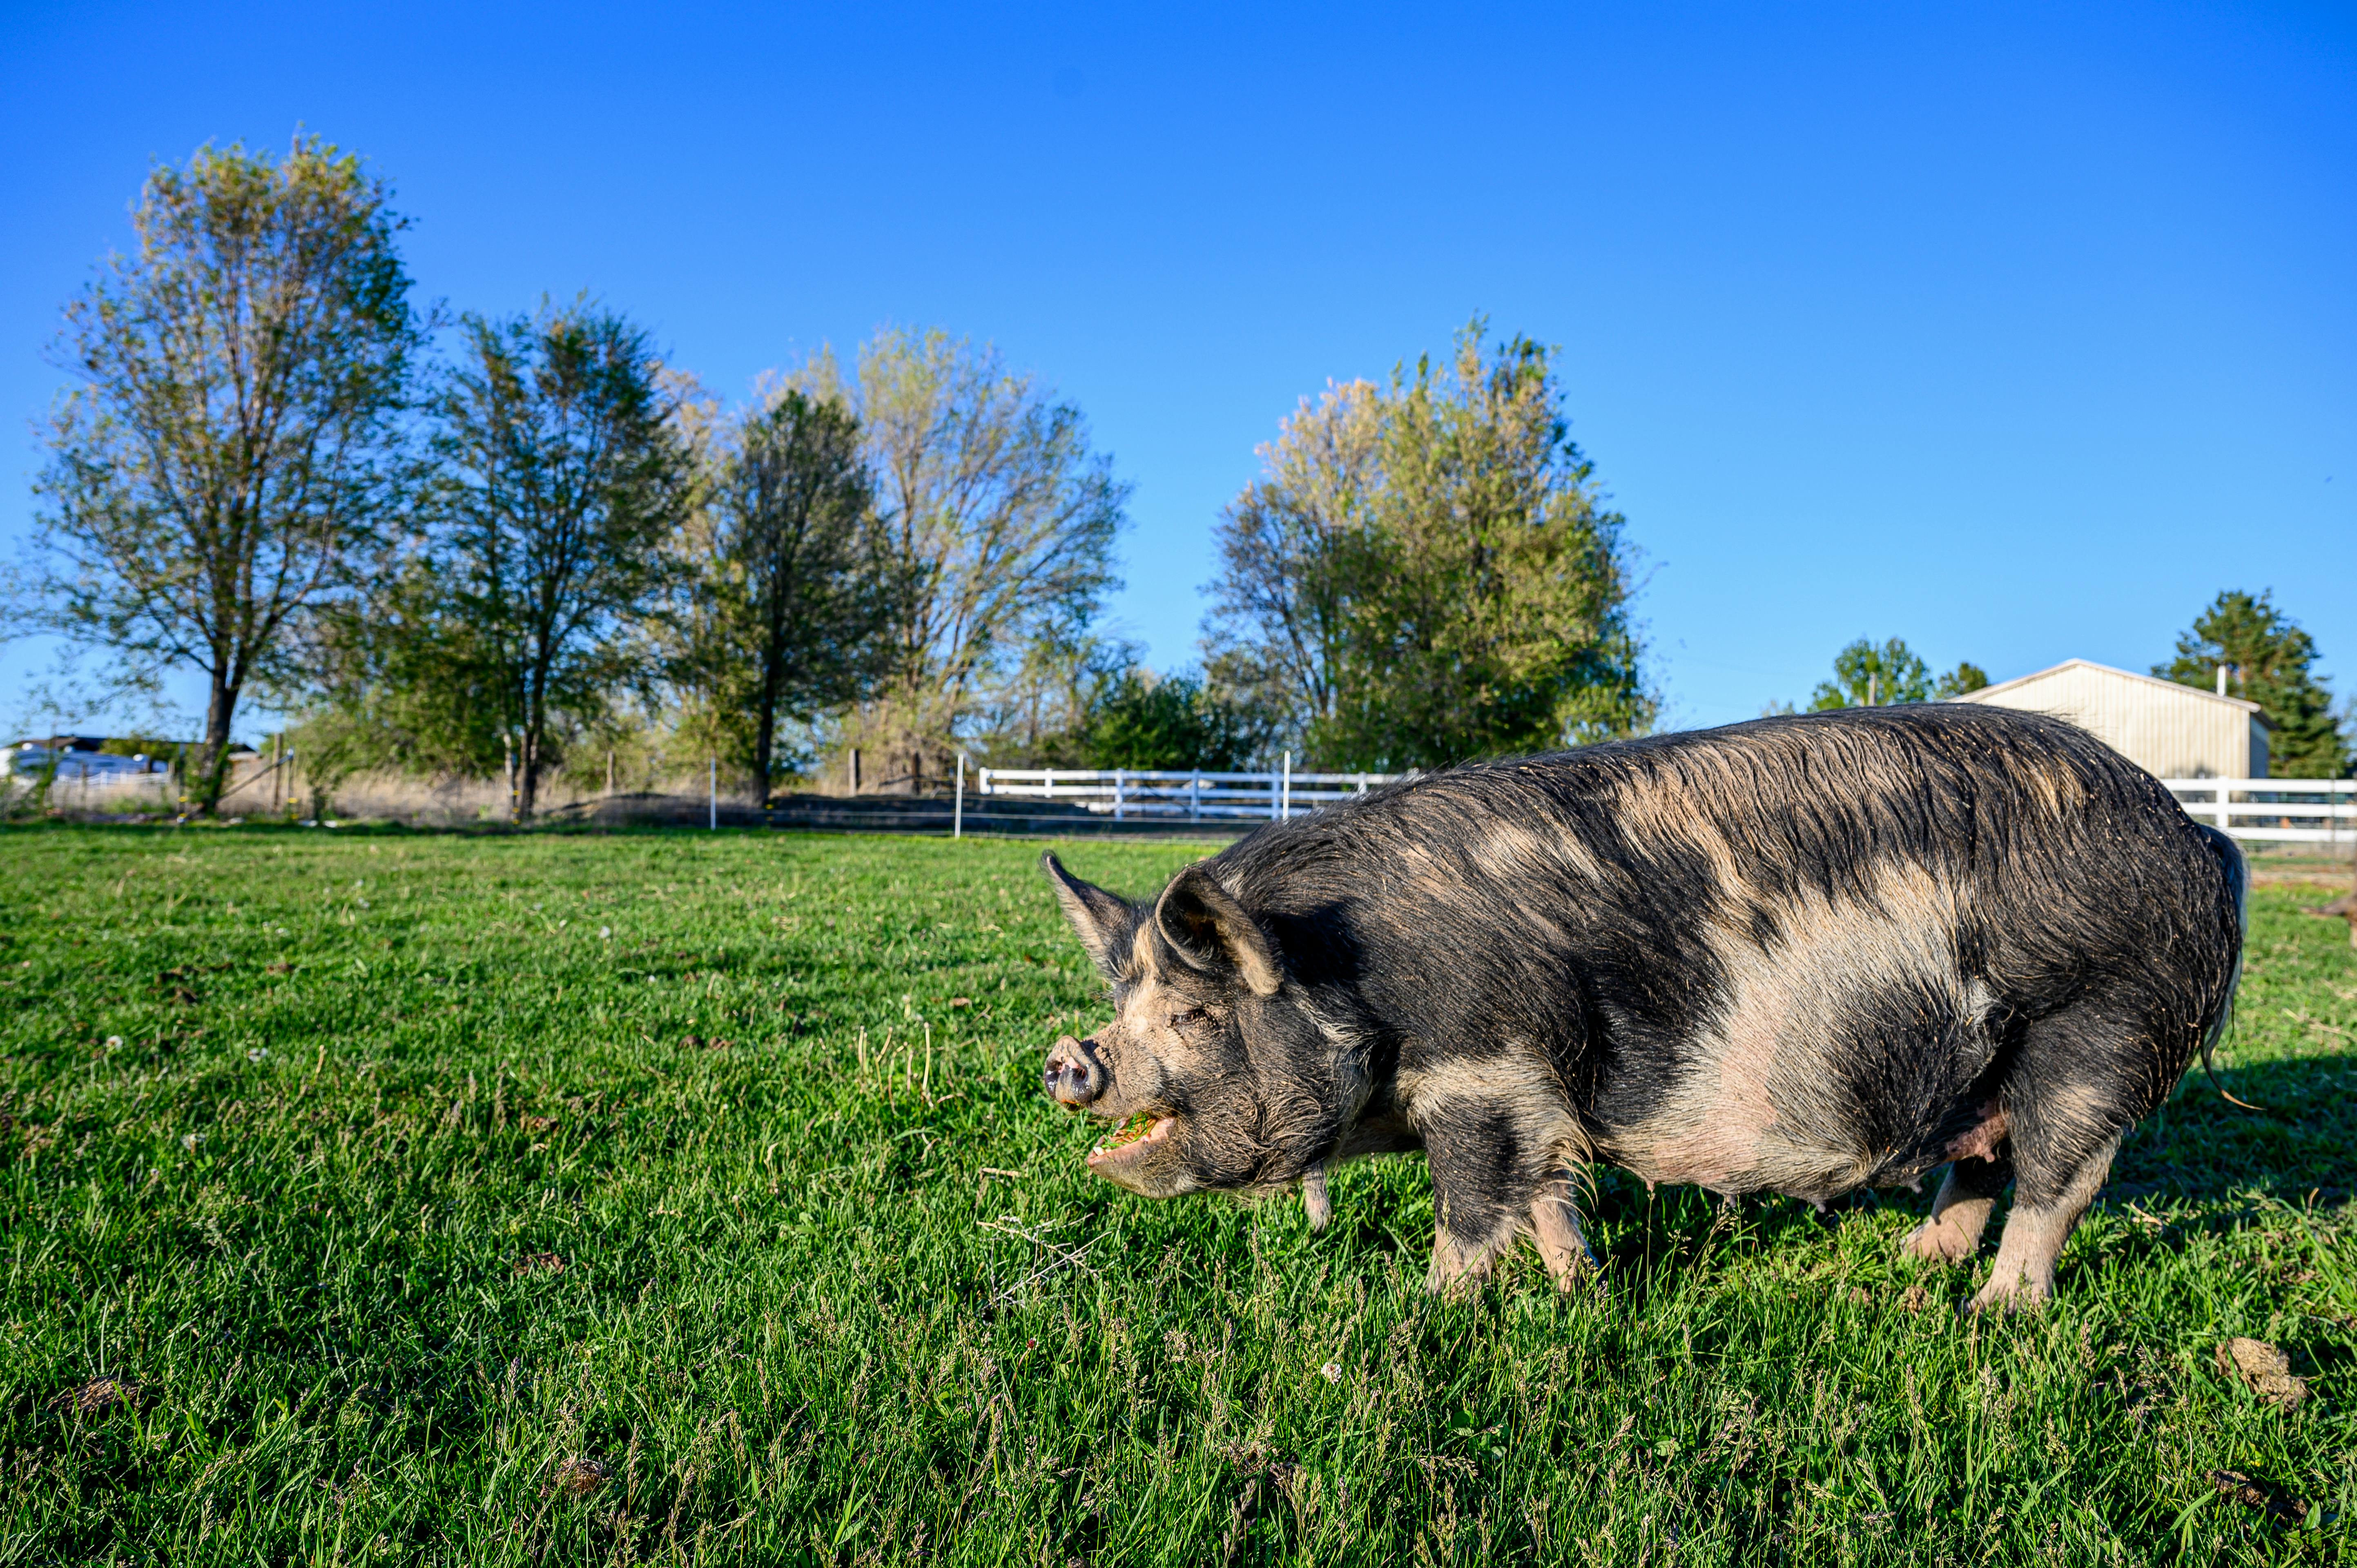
pixel 1427 574
pixel 1966 676
pixel 1278 634
pixel 565 477
pixel 1040 713
pixel 235 441
pixel 1170 721
pixel 1867 675
pixel 997 520
pixel 801 587
pixel 398 680
pixel 2270 662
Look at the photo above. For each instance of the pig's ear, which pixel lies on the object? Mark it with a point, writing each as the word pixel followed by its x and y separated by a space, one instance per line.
pixel 1208 930
pixel 1099 917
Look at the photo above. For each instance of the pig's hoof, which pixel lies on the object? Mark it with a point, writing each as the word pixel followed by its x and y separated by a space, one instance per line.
pixel 1938 1242
pixel 2004 1295
pixel 1459 1267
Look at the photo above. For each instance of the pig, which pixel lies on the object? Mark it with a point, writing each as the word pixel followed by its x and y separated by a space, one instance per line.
pixel 1802 955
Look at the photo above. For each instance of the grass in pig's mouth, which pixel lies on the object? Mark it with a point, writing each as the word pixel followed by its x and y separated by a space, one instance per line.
pixel 1146 1126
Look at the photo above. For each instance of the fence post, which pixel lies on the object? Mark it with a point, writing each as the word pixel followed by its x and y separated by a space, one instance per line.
pixel 1272 795
pixel 2225 817
pixel 957 813
pixel 712 781
pixel 1117 780
pixel 1288 786
pixel 1195 797
pixel 1049 774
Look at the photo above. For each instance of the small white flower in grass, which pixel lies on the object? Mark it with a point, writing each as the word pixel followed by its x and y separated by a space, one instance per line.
pixel 114 1042
pixel 190 1141
pixel 257 1054
pixel 604 933
pixel 1331 1371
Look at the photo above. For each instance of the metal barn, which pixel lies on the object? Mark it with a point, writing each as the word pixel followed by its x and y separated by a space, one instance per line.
pixel 2170 731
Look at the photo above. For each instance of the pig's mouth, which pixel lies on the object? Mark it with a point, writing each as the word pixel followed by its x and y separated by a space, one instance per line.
pixel 1132 1141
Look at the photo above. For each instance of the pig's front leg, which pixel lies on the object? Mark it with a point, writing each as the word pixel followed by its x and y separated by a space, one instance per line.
pixel 1492 1182
pixel 1554 1225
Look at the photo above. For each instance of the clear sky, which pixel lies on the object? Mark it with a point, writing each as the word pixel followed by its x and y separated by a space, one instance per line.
pixel 2016 331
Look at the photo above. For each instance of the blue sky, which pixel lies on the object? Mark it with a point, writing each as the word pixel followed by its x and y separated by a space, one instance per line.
pixel 2017 332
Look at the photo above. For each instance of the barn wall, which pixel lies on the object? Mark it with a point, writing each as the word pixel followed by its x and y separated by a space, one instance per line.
pixel 2169 731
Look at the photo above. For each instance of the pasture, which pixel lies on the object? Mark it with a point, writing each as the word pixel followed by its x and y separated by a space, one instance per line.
pixel 378 1197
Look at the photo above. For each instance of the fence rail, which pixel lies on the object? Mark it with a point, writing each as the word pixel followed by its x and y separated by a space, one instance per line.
pixel 1123 793
pixel 2296 811
pixel 2288 810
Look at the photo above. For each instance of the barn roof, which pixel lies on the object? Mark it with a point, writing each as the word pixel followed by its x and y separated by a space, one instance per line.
pixel 2177 688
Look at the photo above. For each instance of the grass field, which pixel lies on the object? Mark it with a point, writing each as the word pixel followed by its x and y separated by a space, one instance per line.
pixel 390 1198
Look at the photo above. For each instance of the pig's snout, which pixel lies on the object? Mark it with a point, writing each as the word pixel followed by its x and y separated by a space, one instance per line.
pixel 1074 1076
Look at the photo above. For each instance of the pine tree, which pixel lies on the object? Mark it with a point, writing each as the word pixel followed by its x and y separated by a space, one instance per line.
pixel 2269 660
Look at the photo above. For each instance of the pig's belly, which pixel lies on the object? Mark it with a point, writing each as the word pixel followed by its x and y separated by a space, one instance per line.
pixel 1812 1136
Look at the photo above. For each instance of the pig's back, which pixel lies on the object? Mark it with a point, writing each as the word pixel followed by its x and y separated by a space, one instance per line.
pixel 1787 954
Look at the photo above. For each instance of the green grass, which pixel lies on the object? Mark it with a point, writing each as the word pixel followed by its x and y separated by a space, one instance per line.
pixel 301 1125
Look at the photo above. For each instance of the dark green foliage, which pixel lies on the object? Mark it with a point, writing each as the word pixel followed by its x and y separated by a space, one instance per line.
pixel 2272 659
pixel 1966 676
pixel 798 594
pixel 563 478
pixel 401 682
pixel 222 470
pixel 1172 721
pixel 1865 672
pixel 359 1187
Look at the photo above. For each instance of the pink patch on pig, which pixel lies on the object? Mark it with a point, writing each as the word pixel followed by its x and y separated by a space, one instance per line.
pixel 1980 1141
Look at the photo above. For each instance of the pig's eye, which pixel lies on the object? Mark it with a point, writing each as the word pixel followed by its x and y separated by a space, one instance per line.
pixel 1191 1017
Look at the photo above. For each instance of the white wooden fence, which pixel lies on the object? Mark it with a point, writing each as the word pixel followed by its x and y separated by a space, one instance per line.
pixel 2292 810
pixel 1127 793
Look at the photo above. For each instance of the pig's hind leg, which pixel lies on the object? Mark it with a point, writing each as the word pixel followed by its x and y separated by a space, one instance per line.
pixel 1961 1211
pixel 2080 1084
pixel 1980 1164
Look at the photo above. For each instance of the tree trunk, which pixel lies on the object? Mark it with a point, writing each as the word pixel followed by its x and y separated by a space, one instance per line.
pixel 765 728
pixel 220 707
pixel 527 775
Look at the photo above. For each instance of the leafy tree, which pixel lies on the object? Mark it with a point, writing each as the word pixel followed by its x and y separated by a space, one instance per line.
pixel 399 681
pixel 1040 714
pixel 1865 672
pixel 234 444
pixel 799 587
pixel 2271 662
pixel 997 523
pixel 1966 676
pixel 1427 575
pixel 1172 721
pixel 1291 546
pixel 565 477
